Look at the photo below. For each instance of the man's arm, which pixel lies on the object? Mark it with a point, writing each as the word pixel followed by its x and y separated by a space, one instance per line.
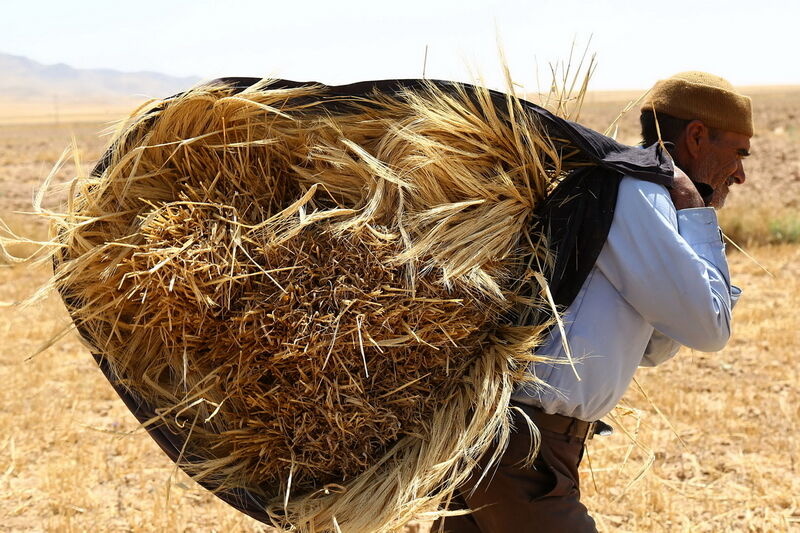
pixel 661 348
pixel 675 273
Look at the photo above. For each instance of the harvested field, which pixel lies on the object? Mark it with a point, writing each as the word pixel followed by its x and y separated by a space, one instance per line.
pixel 723 457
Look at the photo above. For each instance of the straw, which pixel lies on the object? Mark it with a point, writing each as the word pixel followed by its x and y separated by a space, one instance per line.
pixel 319 295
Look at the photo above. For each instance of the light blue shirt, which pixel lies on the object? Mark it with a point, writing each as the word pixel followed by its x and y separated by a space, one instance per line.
pixel 661 281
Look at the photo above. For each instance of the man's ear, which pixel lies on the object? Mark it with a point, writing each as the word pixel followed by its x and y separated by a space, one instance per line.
pixel 694 137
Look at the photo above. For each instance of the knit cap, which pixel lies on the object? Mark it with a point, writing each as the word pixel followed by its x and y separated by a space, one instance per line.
pixel 695 95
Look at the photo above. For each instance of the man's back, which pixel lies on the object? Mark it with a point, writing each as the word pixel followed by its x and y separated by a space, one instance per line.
pixel 660 272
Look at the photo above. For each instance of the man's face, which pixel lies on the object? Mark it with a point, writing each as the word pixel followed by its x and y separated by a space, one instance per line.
pixel 719 163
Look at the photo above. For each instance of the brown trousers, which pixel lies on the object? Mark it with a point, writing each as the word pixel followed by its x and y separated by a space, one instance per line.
pixel 516 499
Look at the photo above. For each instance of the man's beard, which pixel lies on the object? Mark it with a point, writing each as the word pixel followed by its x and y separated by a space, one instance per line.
pixel 718 197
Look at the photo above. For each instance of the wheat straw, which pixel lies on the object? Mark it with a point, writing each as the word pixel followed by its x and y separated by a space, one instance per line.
pixel 317 291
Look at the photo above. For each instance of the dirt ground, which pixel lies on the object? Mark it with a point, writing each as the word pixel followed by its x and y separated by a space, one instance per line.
pixel 706 442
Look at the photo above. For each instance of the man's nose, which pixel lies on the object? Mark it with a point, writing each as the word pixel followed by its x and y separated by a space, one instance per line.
pixel 739 176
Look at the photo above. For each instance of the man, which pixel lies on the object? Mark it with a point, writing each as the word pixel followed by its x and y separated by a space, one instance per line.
pixel 660 281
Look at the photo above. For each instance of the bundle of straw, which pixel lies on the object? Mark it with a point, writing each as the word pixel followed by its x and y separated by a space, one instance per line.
pixel 316 291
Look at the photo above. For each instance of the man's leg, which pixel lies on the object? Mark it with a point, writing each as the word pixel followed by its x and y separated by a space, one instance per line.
pixel 514 498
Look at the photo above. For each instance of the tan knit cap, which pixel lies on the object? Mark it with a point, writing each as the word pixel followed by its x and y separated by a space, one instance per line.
pixel 695 95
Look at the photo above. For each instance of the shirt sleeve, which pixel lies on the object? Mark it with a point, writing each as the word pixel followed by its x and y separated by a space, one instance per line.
pixel 670 266
pixel 660 348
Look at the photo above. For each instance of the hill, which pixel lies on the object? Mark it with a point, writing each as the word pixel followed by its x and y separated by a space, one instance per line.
pixel 31 90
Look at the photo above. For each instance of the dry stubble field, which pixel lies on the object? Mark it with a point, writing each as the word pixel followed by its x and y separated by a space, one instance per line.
pixel 706 442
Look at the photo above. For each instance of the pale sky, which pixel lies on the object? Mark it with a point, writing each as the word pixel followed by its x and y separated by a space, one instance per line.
pixel 339 41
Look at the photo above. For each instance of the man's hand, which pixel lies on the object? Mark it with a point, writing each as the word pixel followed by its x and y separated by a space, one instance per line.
pixel 683 192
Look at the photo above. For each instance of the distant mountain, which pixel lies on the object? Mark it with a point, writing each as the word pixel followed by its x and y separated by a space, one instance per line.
pixel 24 80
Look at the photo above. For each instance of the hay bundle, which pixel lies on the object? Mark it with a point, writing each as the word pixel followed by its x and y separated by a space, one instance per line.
pixel 314 290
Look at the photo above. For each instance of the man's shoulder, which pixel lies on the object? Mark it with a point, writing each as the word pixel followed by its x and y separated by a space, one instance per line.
pixel 643 187
pixel 640 198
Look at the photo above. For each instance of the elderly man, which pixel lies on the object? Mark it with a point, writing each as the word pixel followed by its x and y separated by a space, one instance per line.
pixel 660 281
